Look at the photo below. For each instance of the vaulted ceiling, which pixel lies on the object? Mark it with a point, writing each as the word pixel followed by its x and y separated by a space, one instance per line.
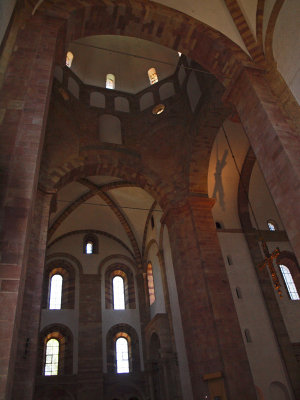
pixel 107 205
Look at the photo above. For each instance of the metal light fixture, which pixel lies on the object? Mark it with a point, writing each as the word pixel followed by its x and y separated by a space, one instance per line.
pixel 158 109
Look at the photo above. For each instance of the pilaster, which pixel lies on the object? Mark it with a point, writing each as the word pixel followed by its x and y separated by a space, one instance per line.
pixel 210 325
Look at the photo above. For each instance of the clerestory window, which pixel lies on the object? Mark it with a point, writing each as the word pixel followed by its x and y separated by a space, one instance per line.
pixel 69 59
pixel 150 280
pixel 118 293
pixel 289 282
pixel 56 283
pixel 51 357
pixel 122 355
pixel 89 247
pixel 153 78
pixel 272 225
pixel 110 81
pixel 90 244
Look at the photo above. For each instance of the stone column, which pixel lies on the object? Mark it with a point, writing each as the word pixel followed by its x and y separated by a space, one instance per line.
pixel 90 377
pixel 211 329
pixel 26 359
pixel 275 142
pixel 24 99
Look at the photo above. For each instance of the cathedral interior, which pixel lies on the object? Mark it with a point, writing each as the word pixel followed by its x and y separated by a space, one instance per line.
pixel 150 191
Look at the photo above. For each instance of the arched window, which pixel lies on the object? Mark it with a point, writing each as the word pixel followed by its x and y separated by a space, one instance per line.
pixel 272 225
pixel 56 282
pixel 122 355
pixel 90 244
pixel 150 283
pixel 118 293
pixel 289 282
pixel 110 81
pixel 55 350
pixel 69 59
pixel 51 357
pixel 58 285
pixel 153 78
pixel 125 287
pixel 89 247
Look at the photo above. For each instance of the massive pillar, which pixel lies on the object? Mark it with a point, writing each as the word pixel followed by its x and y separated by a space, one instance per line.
pixel 276 145
pixel 24 101
pixel 26 359
pixel 213 340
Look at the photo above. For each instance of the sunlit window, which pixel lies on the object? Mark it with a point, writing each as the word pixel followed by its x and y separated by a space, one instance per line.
pixel 118 293
pixel 288 279
pixel 55 292
pixel 89 247
pixel 51 357
pixel 122 357
pixel 150 283
pixel 110 81
pixel 69 59
pixel 153 78
pixel 271 226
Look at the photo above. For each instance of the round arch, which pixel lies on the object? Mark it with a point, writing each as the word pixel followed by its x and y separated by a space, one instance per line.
pixel 128 168
pixel 210 48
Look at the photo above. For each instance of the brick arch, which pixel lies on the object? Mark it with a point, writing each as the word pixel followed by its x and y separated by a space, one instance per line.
pixel 65 337
pixel 95 231
pixel 120 269
pixel 117 257
pixel 66 270
pixel 69 257
pixel 111 163
pixel 129 333
pixel 153 22
pixel 160 24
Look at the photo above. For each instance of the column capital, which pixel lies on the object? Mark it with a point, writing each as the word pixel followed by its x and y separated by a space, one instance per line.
pixel 191 202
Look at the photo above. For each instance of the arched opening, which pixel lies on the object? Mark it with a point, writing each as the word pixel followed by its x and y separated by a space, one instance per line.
pixel 122 355
pixel 150 280
pixel 272 225
pixel 289 282
pixel 89 247
pixel 110 81
pixel 152 75
pixel 55 353
pixel 69 59
pixel 118 293
pixel 56 283
pixel 51 357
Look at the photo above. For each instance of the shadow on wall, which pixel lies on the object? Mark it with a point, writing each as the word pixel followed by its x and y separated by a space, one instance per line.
pixel 218 179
